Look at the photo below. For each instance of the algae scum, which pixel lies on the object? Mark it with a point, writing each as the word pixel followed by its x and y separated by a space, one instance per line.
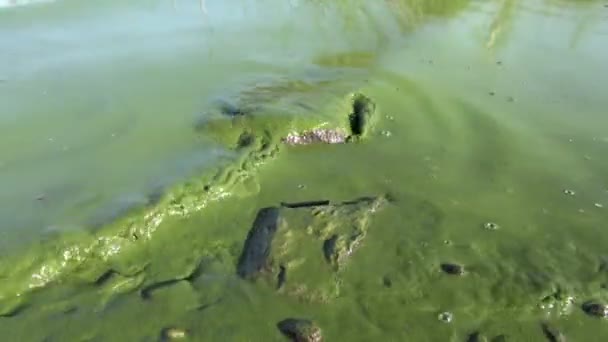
pixel 409 170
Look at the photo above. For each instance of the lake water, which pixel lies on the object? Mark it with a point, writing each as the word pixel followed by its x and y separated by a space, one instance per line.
pixel 487 112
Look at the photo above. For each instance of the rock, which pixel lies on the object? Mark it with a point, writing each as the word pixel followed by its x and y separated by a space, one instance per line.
pixel 387 282
pixel 282 276
pixel 300 330
pixel 552 334
pixel 329 248
pixel 259 240
pixel 172 334
pixel 476 337
pixel 595 309
pixel 363 110
pixel 452 269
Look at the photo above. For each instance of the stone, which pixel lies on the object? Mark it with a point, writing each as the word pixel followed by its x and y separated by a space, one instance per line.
pixel 300 330
pixel 258 243
pixel 452 269
pixel 552 334
pixel 595 309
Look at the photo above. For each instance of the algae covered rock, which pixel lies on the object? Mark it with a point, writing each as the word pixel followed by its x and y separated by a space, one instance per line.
pixel 300 330
pixel 259 240
pixel 301 248
pixel 595 309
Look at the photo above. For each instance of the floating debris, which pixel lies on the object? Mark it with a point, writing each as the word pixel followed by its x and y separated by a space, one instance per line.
pixel 595 309
pixel 598 205
pixel 387 133
pixel 452 269
pixel 446 317
pixel 300 330
pixel 491 226
pixel 510 99
pixel 498 62
pixel 569 192
pixel 170 334
pixel 327 136
pixel 492 93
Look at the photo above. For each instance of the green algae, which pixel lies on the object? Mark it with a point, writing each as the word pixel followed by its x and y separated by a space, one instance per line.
pixel 450 165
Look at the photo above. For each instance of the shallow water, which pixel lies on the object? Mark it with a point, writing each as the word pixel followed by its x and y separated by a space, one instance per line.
pixel 486 112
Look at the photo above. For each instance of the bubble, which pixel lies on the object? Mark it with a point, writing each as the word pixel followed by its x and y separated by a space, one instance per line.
pixel 446 317
pixel 491 226
pixel 569 192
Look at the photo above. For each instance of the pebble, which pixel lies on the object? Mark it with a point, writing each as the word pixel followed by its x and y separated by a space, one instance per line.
pixel 446 317
pixel 300 330
pixel 491 226
pixel 599 205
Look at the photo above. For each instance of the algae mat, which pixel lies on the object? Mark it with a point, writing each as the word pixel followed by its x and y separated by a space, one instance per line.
pixel 443 178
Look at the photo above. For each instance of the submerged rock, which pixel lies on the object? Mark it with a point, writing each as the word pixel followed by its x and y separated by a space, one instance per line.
pixel 259 241
pixel 300 330
pixel 452 269
pixel 552 334
pixel 363 110
pixel 476 337
pixel 595 309
pixel 289 247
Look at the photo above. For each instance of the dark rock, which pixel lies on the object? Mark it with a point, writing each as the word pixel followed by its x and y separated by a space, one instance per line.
pixel 387 282
pixel 246 139
pixel 452 269
pixel 329 248
pixel 300 330
pixel 259 240
pixel 595 309
pixel 232 110
pixel 305 204
pixel 476 337
pixel 552 334
pixel 363 110
pixel 282 276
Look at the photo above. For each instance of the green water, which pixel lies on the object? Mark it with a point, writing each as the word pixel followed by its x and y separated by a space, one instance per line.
pixel 487 111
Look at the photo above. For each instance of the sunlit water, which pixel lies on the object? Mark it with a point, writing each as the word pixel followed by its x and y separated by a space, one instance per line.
pixel 499 111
